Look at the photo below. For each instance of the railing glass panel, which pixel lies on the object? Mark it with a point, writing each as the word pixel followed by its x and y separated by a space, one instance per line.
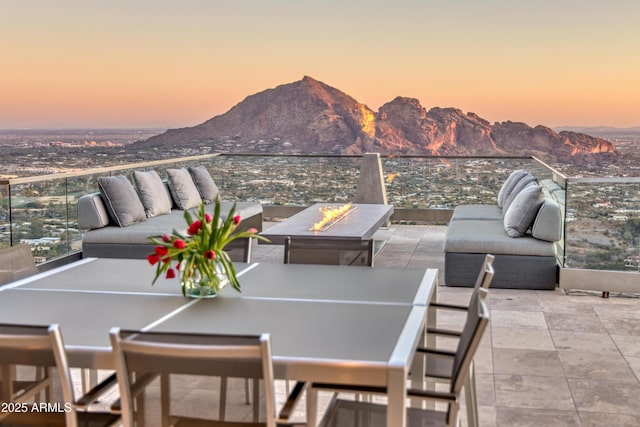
pixel 603 224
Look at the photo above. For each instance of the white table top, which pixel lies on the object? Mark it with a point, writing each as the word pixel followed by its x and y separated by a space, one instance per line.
pixel 353 325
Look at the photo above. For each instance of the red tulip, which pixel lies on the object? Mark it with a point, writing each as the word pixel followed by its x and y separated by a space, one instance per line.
pixel 195 227
pixel 207 217
pixel 161 250
pixel 209 254
pixel 170 274
pixel 153 259
pixel 166 238
pixel 179 244
pixel 236 219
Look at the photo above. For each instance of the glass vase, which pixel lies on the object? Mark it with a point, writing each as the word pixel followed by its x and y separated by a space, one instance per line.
pixel 198 285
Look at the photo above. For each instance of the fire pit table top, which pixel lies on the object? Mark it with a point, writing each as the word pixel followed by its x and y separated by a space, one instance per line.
pixel 359 224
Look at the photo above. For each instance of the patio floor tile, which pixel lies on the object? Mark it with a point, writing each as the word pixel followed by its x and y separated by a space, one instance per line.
pixel 533 362
pixel 583 341
pixel 533 392
pixel 596 366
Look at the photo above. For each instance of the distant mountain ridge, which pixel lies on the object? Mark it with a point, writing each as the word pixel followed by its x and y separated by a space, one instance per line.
pixel 309 116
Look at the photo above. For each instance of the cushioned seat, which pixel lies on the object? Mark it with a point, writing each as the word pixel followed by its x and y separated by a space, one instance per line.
pixel 489 237
pixel 483 212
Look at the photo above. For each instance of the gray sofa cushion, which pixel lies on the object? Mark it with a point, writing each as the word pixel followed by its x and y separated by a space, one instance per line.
pixel 184 192
pixel 153 193
pixel 121 200
pixel 205 183
pixel 523 210
pixel 163 224
pixel 463 212
pixel 548 223
pixel 490 237
pixel 509 184
pixel 520 185
pixel 139 233
pixel 91 212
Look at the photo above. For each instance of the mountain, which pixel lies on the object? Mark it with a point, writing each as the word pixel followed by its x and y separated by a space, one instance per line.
pixel 309 116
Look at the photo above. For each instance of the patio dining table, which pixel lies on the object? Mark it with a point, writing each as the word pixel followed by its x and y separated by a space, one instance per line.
pixel 337 324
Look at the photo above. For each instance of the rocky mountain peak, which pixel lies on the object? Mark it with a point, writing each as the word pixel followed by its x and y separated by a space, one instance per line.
pixel 313 117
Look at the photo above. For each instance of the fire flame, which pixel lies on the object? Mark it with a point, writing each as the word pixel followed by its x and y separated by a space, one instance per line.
pixel 391 177
pixel 330 214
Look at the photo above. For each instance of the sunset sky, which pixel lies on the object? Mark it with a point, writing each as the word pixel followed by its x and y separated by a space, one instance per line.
pixel 157 63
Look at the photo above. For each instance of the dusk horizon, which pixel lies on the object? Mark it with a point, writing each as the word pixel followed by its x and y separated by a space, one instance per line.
pixel 92 65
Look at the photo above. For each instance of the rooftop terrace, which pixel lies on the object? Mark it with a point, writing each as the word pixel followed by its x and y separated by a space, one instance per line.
pixel 549 358
pixel 562 357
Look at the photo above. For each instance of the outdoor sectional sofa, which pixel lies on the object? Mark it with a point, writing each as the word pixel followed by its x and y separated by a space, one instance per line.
pixel 522 231
pixel 120 218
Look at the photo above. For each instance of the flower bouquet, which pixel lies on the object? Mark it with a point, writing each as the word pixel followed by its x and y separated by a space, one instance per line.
pixel 199 257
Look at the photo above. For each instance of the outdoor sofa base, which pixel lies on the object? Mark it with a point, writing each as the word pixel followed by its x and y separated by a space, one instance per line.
pixel 512 271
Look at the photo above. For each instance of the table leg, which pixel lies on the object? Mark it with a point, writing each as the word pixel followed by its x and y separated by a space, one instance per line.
pixel 312 406
pixel 396 394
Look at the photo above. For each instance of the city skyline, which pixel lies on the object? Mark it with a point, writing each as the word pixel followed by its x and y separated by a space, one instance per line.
pixel 95 64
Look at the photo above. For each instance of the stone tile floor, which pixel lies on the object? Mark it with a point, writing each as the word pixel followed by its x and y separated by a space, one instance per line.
pixel 549 358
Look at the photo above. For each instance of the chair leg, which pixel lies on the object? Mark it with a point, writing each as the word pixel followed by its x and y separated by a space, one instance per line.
pixel 470 398
pixel 256 400
pixel 223 399
pixel 247 396
pixel 165 399
pixel 7 375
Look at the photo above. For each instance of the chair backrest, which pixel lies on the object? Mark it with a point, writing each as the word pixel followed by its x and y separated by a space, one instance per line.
pixel 16 262
pixel 486 273
pixel 477 320
pixel 38 346
pixel 146 353
pixel 27 345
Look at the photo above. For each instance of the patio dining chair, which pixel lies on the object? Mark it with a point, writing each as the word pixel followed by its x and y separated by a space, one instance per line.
pixel 16 262
pixel 485 276
pixel 438 362
pixel 142 357
pixel 353 413
pixel 43 346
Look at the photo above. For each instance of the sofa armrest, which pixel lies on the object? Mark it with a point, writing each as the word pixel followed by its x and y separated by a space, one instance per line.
pixel 91 212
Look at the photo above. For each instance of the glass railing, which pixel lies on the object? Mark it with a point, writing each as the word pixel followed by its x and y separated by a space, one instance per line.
pixel 412 182
pixel 41 211
pixel 603 224
pixel 601 215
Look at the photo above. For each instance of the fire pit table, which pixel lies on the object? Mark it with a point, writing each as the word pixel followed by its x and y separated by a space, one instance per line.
pixel 330 233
